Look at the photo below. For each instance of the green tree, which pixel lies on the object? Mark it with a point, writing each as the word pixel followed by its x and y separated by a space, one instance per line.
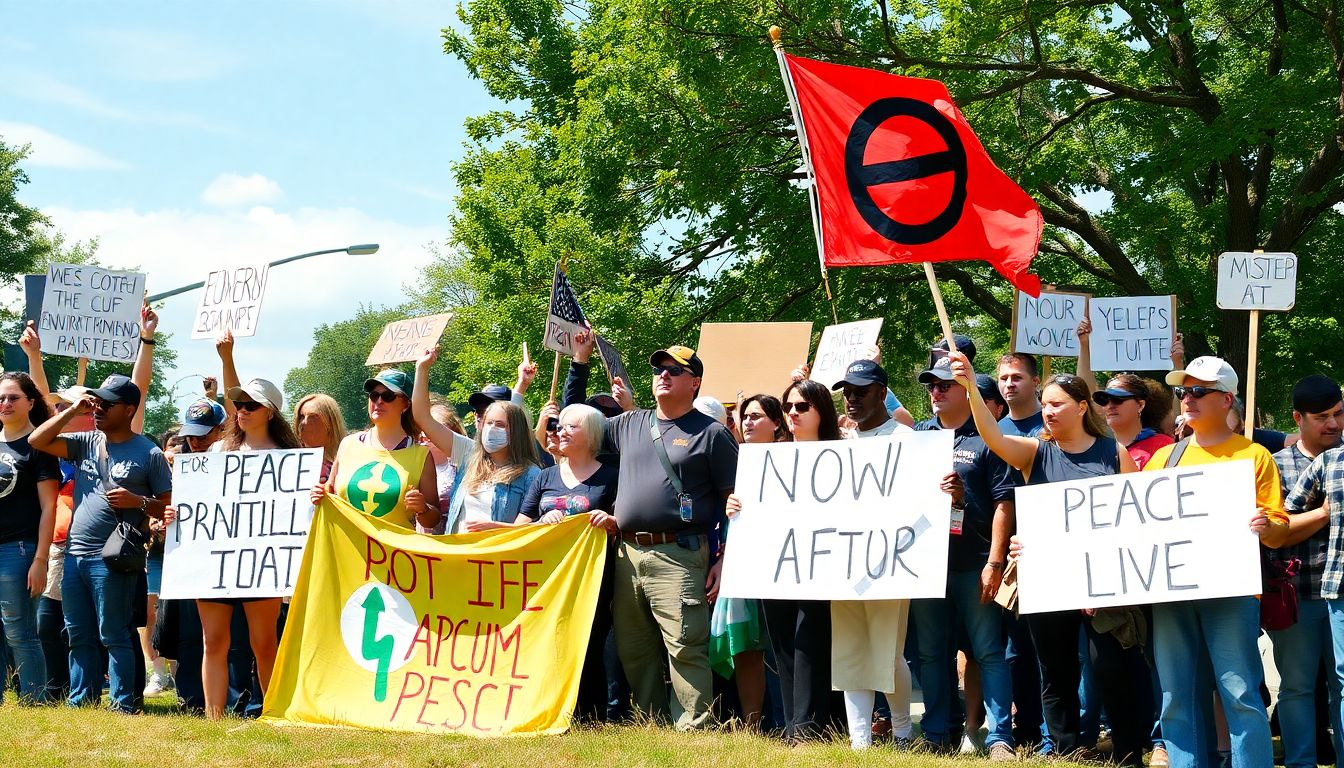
pixel 653 143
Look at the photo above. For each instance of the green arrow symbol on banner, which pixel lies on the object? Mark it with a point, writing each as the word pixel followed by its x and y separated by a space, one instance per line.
pixel 374 648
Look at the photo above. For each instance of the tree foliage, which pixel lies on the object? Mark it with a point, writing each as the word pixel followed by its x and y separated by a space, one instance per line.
pixel 651 142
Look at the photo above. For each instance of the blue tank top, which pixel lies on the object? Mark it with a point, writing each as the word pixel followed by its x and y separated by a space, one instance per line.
pixel 1053 465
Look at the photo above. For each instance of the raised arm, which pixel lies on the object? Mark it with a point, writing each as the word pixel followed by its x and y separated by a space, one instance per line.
pixel 1019 452
pixel 32 349
pixel 1084 333
pixel 143 371
pixel 576 381
pixel 228 371
pixel 47 436
pixel 448 441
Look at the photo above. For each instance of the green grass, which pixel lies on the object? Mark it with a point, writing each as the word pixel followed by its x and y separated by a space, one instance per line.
pixel 38 737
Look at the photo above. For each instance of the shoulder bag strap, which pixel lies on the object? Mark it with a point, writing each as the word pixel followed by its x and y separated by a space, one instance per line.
pixel 661 450
pixel 1177 451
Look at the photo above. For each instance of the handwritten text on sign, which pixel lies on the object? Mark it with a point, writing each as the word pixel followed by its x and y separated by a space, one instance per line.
pixel 860 519
pixel 242 519
pixel 1146 537
pixel 230 301
pixel 841 345
pixel 1048 325
pixel 1132 333
pixel 91 312
pixel 1265 281
pixel 403 340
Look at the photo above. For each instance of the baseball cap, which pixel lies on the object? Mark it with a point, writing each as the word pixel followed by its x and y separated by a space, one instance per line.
pixel 861 373
pixel 604 402
pixel 490 393
pixel 1316 393
pixel 941 370
pixel 964 345
pixel 1207 368
pixel 258 390
pixel 69 395
pixel 397 382
pixel 200 417
pixel 989 388
pixel 117 389
pixel 711 408
pixel 680 355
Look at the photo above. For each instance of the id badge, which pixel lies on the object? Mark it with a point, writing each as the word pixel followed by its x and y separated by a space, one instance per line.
pixel 958 517
pixel 687 511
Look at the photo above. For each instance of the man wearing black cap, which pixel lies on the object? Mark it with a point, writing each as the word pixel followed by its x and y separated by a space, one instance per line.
pixel 677 467
pixel 1301 649
pixel 120 475
pixel 982 522
pixel 495 393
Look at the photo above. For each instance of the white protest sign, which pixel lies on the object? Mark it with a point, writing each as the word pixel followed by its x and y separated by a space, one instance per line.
pixel 1132 333
pixel 230 301
pixel 1048 325
pixel 91 312
pixel 1145 537
pixel 860 519
pixel 403 340
pixel 841 345
pixel 1266 281
pixel 242 520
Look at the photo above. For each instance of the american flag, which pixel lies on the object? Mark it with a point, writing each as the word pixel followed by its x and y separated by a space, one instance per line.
pixel 565 317
pixel 611 360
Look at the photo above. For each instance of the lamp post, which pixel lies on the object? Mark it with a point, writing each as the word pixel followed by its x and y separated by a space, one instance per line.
pixel 354 250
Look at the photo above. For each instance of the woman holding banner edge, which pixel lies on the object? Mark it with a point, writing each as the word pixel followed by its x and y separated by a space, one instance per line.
pixel 1074 445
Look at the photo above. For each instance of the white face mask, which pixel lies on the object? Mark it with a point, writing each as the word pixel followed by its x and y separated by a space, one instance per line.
pixel 494 438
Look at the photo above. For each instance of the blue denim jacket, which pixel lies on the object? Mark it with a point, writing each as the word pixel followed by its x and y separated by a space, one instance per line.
pixel 508 498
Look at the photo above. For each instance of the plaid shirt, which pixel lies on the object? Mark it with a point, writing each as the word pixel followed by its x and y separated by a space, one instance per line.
pixel 1313 552
pixel 1323 482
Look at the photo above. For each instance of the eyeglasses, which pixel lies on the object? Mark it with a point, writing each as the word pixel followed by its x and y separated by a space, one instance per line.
pixel 1198 391
pixel 7 399
pixel 939 386
pixel 386 396
pixel 1103 399
pixel 801 407
pixel 248 406
pixel 570 428
pixel 670 370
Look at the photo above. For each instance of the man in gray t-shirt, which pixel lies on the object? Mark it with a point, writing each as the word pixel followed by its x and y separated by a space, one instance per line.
pixel 119 475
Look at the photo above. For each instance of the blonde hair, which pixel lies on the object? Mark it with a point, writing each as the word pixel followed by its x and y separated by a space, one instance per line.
pixel 522 450
pixel 442 411
pixel 330 414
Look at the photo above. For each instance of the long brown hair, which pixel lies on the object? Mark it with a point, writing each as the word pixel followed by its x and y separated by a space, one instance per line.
pixel 522 450
pixel 1156 399
pixel 1078 392
pixel 276 428
pixel 330 413
pixel 40 411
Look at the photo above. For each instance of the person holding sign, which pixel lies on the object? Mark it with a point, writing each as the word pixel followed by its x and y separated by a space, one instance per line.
pixel 384 471
pixel 1072 445
pixel 1226 628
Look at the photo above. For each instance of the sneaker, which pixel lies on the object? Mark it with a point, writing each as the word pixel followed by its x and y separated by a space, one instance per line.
pixel 1159 758
pixel 970 745
pixel 156 686
pixel 1002 753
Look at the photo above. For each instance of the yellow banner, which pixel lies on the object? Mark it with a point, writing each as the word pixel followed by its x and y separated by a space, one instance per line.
pixel 481 634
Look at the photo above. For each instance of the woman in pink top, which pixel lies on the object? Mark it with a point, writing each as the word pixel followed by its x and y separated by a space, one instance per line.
pixel 1134 409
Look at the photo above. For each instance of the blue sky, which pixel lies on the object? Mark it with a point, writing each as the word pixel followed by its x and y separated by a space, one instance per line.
pixel 185 135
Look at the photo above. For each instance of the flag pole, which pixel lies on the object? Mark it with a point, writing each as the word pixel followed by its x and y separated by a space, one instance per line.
pixel 555 369
pixel 813 203
pixel 938 304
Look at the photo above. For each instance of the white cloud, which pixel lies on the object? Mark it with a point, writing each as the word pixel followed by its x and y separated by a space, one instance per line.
pixel 231 190
pixel 179 247
pixel 44 89
pixel 159 55
pixel 52 151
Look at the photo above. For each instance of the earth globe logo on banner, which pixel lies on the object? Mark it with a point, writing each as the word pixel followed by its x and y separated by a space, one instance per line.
pixel 374 489
pixel 377 627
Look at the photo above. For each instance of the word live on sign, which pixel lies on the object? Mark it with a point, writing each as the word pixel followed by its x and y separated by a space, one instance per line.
pixel 242 521
pixel 1145 537
pixel 860 519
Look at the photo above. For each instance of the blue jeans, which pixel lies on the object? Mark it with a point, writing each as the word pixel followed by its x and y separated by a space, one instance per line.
pixel 18 611
pixel 1228 628
pixel 936 622
pixel 97 605
pixel 1298 653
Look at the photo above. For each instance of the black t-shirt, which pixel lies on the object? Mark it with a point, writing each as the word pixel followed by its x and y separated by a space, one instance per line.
pixel 548 493
pixel 21 469
pixel 987 479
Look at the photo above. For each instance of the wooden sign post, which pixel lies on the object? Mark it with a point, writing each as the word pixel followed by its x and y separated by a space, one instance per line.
pixel 1256 281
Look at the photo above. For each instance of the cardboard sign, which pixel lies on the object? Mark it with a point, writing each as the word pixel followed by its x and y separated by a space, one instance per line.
pixel 860 519
pixel 1145 537
pixel 1048 325
pixel 750 358
pixel 230 301
pixel 1265 281
pixel 242 520
pixel 611 360
pixel 91 312
pixel 403 340
pixel 841 345
pixel 1132 333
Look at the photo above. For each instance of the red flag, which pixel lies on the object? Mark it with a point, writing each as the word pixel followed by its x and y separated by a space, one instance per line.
pixel 901 178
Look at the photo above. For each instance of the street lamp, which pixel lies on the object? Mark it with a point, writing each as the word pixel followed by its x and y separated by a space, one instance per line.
pixel 354 250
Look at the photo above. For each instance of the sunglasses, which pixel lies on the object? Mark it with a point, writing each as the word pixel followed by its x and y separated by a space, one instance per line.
pixel 670 370
pixel 1103 399
pixel 1198 392
pixel 939 386
pixel 248 406
pixel 381 394
pixel 802 407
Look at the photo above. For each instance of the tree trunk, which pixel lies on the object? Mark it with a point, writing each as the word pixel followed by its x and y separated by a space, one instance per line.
pixel 1233 337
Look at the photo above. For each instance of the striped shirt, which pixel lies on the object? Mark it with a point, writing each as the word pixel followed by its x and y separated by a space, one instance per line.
pixel 1323 483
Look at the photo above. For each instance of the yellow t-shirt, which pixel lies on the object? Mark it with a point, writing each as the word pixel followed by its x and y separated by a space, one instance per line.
pixel 1268 494
pixel 375 481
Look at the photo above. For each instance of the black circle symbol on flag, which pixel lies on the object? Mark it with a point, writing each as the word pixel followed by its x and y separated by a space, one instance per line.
pixel 863 177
